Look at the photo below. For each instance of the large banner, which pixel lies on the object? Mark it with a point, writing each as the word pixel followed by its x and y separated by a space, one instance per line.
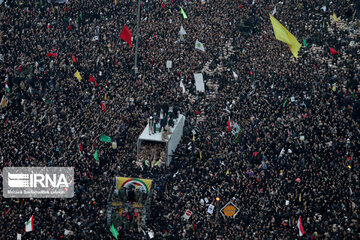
pixel 199 82
pixel 139 184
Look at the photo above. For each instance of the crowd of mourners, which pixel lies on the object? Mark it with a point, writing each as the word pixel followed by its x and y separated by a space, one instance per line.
pixel 295 153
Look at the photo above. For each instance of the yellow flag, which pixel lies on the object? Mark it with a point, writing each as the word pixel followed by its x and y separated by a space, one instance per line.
pixel 282 34
pixel 115 2
pixel 200 156
pixel 300 197
pixel 105 96
pixel 4 102
pixel 335 17
pixel 78 76
pixel 193 138
pixel 227 172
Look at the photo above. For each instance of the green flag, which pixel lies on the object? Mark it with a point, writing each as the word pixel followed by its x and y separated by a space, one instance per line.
pixel 305 43
pixel 285 103
pixel 114 232
pixel 96 156
pixel 183 13
pixel 104 138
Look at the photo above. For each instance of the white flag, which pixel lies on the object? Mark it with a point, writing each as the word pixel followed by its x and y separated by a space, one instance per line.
pixel 281 153
pixel 199 45
pixel 274 11
pixel 199 82
pixel 182 31
pixel 211 209
pixel 176 173
pixel 151 235
pixel 18 236
pixel 29 225
pixel 235 75
pixel 68 232
pixel 324 8
pixel 182 86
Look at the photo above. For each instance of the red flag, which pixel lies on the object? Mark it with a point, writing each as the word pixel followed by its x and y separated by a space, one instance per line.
pixel 162 5
pixel 251 73
pixel 126 35
pixel 229 125
pixel 92 80
pixel 241 6
pixel 52 54
pixel 172 1
pixel 73 58
pixel 103 107
pixel 300 226
pixel 80 147
pixel 333 51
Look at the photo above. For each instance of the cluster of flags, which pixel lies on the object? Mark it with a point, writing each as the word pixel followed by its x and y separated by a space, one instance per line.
pixel 91 79
pixel 282 34
pixel 103 138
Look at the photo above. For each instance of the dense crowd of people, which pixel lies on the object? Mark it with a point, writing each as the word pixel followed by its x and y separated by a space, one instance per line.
pixel 296 152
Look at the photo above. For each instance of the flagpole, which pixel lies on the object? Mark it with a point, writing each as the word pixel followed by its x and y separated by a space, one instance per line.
pixel 137 36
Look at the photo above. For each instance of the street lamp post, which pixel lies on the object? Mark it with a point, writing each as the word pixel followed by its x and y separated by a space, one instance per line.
pixel 217 205
pixel 137 36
